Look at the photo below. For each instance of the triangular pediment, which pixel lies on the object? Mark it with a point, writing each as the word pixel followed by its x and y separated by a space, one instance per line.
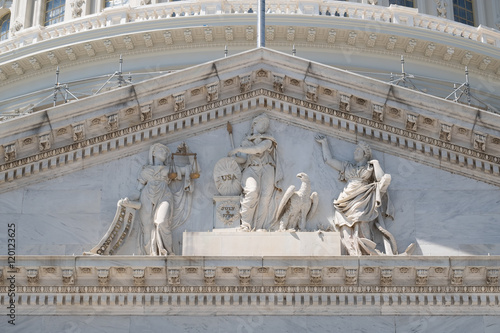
pixel 63 199
pixel 118 123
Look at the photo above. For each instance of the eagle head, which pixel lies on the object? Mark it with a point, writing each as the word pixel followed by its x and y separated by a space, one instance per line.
pixel 302 176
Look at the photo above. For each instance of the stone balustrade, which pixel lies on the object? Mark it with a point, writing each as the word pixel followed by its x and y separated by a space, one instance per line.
pixel 377 14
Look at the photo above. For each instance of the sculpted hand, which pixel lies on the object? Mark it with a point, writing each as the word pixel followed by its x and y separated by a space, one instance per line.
pixel 233 152
pixel 320 138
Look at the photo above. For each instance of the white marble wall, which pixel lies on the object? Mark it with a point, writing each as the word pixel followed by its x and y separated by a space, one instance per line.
pixel 249 324
pixel 445 214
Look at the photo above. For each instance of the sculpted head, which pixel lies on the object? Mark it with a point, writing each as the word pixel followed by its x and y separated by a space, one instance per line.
pixel 260 124
pixel 362 152
pixel 158 154
pixel 304 177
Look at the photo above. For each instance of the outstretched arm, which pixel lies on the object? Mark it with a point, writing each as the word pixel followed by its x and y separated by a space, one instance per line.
pixel 257 149
pixel 327 156
pixel 377 170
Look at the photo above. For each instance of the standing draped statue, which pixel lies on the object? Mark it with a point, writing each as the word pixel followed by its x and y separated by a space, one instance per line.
pixel 363 203
pixel 260 177
pixel 164 203
pixel 162 209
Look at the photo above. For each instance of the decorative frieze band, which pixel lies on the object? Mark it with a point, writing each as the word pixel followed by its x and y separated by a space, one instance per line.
pixel 492 291
pixel 480 165
pixel 186 279
pixel 262 302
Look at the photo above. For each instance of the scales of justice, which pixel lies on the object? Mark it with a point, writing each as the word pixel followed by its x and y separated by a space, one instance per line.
pixel 254 215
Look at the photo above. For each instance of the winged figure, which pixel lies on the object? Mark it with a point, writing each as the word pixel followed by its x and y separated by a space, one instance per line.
pixel 297 207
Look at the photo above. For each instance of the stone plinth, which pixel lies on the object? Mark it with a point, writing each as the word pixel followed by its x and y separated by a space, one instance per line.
pixel 236 243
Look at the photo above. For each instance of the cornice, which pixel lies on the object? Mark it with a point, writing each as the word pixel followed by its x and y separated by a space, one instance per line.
pixel 403 130
pixel 229 285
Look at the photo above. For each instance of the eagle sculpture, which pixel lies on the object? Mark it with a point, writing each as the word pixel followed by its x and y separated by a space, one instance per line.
pixel 297 207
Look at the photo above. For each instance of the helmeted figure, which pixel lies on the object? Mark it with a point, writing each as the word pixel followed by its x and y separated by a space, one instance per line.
pixel 260 177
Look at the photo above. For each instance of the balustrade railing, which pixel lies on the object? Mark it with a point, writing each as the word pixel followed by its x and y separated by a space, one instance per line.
pixel 171 10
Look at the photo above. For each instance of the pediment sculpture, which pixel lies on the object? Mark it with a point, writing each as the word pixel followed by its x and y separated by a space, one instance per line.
pixel 164 203
pixel 261 175
pixel 297 207
pixel 363 204
pixel 360 209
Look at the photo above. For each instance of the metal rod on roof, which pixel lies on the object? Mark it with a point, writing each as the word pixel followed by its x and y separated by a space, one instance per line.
pixel 56 86
pixel 261 24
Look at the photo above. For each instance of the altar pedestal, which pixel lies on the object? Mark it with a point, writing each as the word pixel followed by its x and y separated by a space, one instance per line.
pixel 226 212
pixel 236 243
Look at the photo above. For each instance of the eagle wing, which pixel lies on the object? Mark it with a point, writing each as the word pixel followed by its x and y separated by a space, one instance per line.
pixel 314 205
pixel 281 208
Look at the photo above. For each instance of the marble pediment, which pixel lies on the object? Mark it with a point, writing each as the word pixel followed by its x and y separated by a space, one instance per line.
pixel 396 120
pixel 69 165
pixel 63 170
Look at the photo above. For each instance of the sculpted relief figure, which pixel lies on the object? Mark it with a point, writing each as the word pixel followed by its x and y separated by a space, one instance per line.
pixel 164 203
pixel 163 208
pixel 260 176
pixel 363 203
